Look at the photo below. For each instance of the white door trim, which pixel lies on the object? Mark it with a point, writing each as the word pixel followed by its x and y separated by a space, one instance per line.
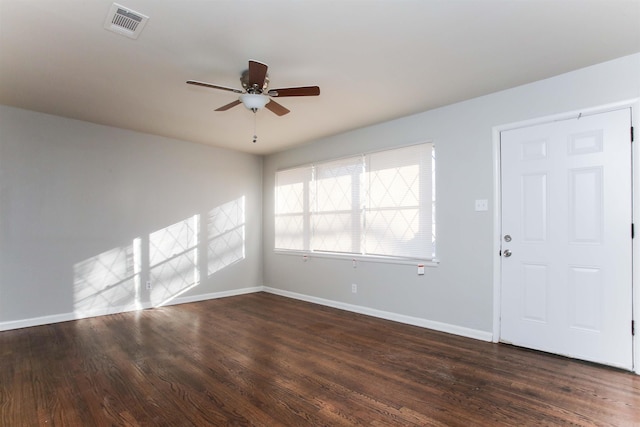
pixel 634 104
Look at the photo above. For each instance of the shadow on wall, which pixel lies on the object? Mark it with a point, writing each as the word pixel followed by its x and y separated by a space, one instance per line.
pixel 168 259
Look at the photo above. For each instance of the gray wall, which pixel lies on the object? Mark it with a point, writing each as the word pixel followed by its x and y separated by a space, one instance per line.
pixel 459 291
pixel 75 198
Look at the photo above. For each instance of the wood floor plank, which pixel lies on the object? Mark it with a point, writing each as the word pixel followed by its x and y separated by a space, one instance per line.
pixel 265 360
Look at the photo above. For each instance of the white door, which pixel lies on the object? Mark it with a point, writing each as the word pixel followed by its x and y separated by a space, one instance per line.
pixel 566 229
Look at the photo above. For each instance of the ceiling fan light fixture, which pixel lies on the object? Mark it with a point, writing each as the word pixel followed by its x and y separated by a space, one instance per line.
pixel 254 101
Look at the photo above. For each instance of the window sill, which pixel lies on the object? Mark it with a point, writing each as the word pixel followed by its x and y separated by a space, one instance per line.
pixel 361 258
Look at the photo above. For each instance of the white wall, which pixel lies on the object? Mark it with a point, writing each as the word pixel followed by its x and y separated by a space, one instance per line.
pixel 457 295
pixel 75 198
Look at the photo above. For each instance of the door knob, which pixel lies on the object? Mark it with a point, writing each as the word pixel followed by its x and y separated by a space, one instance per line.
pixel 507 253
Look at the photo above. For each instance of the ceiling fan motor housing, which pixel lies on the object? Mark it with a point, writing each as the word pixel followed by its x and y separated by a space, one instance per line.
pixel 253 88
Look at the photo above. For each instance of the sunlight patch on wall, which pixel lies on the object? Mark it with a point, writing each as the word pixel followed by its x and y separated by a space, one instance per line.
pixel 108 280
pixel 173 260
pixel 226 231
pixel 169 259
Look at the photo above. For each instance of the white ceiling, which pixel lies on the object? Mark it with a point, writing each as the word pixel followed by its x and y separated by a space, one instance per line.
pixel 373 60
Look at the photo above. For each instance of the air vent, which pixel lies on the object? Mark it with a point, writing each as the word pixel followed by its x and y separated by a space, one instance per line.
pixel 125 21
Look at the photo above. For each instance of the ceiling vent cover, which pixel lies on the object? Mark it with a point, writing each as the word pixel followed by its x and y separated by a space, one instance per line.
pixel 125 21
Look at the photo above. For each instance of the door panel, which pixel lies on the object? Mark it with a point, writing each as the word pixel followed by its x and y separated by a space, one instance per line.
pixel 566 205
pixel 535 283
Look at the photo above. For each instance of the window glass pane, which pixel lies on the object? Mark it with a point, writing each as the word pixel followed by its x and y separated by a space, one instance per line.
pixel 291 208
pixel 336 218
pixel 399 208
pixel 332 232
pixel 393 232
pixel 433 201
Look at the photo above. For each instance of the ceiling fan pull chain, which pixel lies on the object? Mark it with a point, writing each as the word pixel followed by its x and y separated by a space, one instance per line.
pixel 255 133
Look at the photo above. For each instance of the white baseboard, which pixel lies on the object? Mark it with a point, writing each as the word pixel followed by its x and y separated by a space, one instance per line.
pixel 215 295
pixel 409 320
pixel 401 318
pixel 65 317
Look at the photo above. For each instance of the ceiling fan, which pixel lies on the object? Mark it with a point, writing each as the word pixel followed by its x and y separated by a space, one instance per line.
pixel 256 94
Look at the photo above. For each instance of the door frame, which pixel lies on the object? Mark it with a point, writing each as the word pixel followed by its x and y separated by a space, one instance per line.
pixel 634 105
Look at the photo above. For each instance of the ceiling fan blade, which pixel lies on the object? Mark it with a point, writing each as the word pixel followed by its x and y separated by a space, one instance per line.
pixel 257 74
pixel 295 91
pixel 229 105
pixel 276 108
pixel 209 85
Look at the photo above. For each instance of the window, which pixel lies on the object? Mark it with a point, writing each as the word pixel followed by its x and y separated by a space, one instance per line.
pixel 379 204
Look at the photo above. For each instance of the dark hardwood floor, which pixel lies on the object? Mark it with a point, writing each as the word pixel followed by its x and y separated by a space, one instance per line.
pixel 264 360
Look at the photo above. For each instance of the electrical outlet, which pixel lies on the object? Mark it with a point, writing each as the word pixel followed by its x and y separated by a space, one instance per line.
pixel 482 205
pixel 354 288
pixel 148 284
